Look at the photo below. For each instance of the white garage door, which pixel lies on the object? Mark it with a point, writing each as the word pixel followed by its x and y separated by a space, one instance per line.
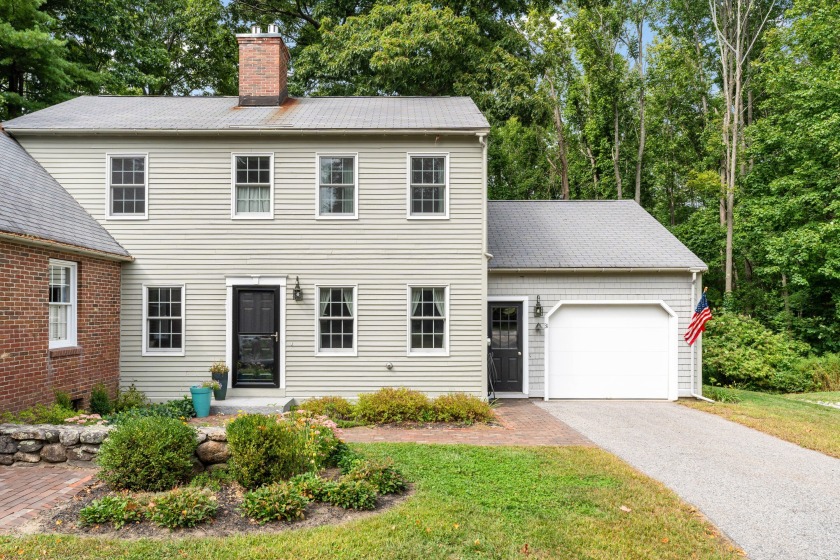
pixel 610 351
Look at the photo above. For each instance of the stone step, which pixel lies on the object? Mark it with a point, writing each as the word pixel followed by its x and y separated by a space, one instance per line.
pixel 260 405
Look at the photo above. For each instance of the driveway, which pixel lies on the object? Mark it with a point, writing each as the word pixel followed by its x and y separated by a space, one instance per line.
pixel 775 499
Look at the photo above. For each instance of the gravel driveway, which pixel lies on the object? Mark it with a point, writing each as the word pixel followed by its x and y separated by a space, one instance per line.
pixel 774 499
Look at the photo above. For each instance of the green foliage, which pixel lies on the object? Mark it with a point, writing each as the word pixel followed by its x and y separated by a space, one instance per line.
pixel 118 510
pixel 150 454
pixel 273 502
pixel 180 409
pixel 381 473
pixel 461 407
pixel 100 402
pixel 311 486
pixel 130 398
pixel 62 399
pixel 182 507
pixel 718 394
pixel 740 351
pixel 394 405
pixel 39 414
pixel 351 494
pixel 823 370
pixel 336 408
pixel 213 480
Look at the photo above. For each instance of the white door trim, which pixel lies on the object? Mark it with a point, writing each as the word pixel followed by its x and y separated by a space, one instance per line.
pixel 255 280
pixel 526 310
pixel 673 348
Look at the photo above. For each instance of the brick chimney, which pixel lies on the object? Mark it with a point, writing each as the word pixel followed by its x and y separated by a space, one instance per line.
pixel 263 68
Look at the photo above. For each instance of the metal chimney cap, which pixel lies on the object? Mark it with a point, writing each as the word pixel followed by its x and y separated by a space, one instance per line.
pixel 256 29
pixel 273 28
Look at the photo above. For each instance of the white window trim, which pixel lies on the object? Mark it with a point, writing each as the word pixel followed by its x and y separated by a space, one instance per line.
pixel 342 351
pixel 447 188
pixel 72 335
pixel 251 215
pixel 526 332
pixel 145 350
pixel 355 214
pixel 426 352
pixel 108 214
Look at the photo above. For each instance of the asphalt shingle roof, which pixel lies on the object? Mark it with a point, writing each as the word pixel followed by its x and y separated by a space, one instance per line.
pixel 581 234
pixel 34 204
pixel 224 113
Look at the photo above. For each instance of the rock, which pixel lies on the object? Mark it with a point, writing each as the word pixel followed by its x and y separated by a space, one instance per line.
pixel 68 437
pixel 91 449
pixel 6 459
pixel 30 445
pixel 197 466
pixel 8 445
pixel 77 454
pixel 217 467
pixel 30 433
pixel 93 436
pixel 211 452
pixel 54 453
pixel 201 437
pixel 21 457
pixel 52 435
pixel 215 434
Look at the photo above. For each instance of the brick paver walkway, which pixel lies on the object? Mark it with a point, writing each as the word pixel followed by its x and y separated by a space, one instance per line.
pixel 522 423
pixel 26 491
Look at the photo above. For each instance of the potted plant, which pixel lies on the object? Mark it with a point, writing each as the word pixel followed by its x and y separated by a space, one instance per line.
pixel 219 372
pixel 201 397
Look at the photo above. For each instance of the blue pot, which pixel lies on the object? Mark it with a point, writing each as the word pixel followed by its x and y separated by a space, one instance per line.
pixel 201 401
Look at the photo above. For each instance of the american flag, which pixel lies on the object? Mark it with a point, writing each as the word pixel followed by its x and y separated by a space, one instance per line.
pixel 701 316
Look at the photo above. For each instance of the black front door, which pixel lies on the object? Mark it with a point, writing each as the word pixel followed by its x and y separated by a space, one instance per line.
pixel 505 324
pixel 256 337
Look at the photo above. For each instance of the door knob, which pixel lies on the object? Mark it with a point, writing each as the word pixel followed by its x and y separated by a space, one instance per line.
pixel 519 353
pixel 276 337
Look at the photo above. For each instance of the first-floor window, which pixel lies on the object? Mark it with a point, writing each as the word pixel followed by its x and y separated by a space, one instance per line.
pixel 62 303
pixel 164 319
pixel 428 317
pixel 336 319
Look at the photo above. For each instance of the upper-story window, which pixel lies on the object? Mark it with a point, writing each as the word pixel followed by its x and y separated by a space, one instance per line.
pixel 337 192
pixel 127 186
pixel 253 189
pixel 62 303
pixel 428 188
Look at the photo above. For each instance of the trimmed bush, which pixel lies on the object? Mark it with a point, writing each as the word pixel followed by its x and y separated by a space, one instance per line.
pixel 741 352
pixel 111 509
pixel 394 405
pixel 182 507
pixel 382 474
pixel 100 402
pixel 351 494
pixel 150 454
pixel 335 408
pixel 824 372
pixel 273 502
pixel 130 398
pixel 461 407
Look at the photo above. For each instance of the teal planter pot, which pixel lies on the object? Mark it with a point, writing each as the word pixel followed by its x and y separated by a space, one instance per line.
pixel 201 401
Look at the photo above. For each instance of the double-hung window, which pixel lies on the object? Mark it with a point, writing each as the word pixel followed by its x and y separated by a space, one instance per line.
pixel 428 189
pixel 337 320
pixel 428 312
pixel 163 320
pixel 127 186
pixel 337 192
pixel 253 187
pixel 62 326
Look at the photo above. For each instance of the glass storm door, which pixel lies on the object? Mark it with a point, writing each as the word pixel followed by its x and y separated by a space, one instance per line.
pixel 256 337
pixel 505 324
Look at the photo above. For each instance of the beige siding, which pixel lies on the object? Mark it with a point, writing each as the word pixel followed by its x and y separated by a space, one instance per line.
pixel 190 238
pixel 673 289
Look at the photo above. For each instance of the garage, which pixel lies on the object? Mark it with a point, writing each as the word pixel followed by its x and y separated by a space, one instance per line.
pixel 620 350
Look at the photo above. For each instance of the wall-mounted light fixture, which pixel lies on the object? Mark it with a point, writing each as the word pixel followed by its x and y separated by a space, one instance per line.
pixel 297 293
pixel 538 310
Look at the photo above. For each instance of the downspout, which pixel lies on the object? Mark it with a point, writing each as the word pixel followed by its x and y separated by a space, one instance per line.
pixel 482 139
pixel 694 348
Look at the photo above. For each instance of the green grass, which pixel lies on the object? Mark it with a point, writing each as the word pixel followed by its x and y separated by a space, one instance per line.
pixel 828 396
pixel 785 416
pixel 470 502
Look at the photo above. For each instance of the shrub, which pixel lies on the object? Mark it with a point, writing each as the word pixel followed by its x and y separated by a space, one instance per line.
pixel 741 352
pixel 266 449
pixel 100 402
pixel 273 502
pixel 40 414
pixel 311 486
pixel 130 398
pixel 62 399
pixel 719 394
pixel 460 407
pixel 336 408
pixel 394 405
pixel 382 474
pixel 116 509
pixel 213 480
pixel 824 372
pixel 351 494
pixel 147 454
pixel 182 507
pixel 180 409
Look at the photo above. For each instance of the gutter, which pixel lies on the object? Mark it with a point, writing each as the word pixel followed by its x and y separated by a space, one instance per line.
pixel 699 341
pixel 559 270
pixel 63 247
pixel 236 130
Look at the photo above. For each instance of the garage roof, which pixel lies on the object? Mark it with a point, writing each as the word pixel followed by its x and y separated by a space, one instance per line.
pixel 558 234
pixel 35 206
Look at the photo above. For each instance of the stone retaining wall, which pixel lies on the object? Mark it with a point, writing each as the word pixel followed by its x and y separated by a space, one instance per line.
pixel 79 445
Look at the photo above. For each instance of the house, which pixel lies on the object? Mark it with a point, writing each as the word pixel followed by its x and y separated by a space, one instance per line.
pixel 332 246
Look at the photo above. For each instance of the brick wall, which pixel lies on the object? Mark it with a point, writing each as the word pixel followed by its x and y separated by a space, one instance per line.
pixel 263 68
pixel 29 371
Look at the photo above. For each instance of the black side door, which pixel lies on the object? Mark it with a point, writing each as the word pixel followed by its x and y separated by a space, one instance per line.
pixel 505 323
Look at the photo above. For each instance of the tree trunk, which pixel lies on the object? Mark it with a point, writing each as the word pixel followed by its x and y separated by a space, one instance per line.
pixel 640 155
pixel 616 153
pixel 562 148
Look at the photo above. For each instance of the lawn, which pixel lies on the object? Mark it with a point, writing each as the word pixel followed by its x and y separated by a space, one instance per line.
pixel 470 502
pixel 785 416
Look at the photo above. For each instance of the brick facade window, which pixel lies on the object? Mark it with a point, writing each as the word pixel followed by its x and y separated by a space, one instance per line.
pixel 63 282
